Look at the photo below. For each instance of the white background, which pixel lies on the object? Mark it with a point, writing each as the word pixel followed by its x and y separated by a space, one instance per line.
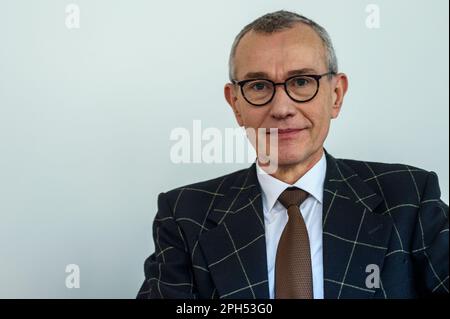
pixel 86 114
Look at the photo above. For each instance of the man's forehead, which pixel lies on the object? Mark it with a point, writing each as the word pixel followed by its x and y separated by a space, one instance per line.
pixel 290 50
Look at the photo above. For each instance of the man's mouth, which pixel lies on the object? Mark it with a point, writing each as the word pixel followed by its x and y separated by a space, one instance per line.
pixel 286 133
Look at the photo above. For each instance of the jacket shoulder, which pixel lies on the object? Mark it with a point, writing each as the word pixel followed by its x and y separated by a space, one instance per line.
pixel 363 167
pixel 396 182
pixel 201 194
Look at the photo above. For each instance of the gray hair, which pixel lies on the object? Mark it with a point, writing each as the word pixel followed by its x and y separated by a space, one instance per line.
pixel 281 20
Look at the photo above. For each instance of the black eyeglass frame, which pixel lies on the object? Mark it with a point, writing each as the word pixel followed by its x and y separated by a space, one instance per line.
pixel 316 77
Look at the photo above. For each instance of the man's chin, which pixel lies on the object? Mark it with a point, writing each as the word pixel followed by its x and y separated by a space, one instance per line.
pixel 284 160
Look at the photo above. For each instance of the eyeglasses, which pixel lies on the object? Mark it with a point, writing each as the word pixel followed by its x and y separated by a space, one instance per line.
pixel 300 88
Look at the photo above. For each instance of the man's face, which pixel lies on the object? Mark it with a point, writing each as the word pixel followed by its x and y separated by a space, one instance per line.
pixel 275 56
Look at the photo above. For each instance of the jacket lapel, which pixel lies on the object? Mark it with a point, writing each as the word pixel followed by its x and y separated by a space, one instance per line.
pixel 235 250
pixel 354 237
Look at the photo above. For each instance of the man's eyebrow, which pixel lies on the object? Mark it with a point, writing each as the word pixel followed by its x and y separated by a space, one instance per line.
pixel 258 75
pixel 302 71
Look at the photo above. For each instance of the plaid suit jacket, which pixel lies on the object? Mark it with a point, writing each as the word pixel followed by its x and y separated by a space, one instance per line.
pixel 210 237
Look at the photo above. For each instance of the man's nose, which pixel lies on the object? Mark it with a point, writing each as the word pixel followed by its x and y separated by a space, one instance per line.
pixel 282 105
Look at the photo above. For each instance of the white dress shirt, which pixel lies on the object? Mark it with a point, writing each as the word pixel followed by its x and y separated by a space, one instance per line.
pixel 275 219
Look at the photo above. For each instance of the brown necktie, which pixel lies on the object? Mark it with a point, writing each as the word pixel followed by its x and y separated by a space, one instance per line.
pixel 293 273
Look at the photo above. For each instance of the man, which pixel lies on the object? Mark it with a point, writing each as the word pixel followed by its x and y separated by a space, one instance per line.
pixel 318 227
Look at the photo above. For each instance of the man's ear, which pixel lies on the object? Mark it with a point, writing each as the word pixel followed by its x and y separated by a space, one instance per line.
pixel 231 97
pixel 340 88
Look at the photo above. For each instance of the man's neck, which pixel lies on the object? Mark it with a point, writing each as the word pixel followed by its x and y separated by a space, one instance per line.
pixel 293 172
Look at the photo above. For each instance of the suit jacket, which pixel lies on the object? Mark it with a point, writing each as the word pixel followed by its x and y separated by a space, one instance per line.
pixel 385 235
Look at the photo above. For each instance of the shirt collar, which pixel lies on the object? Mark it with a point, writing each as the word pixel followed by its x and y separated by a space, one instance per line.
pixel 312 182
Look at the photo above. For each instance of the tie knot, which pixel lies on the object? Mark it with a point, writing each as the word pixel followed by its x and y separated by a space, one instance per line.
pixel 292 196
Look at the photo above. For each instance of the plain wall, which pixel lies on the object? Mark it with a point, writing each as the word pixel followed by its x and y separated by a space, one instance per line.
pixel 86 115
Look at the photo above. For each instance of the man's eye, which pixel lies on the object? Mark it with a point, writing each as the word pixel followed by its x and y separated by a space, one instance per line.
pixel 258 86
pixel 299 82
